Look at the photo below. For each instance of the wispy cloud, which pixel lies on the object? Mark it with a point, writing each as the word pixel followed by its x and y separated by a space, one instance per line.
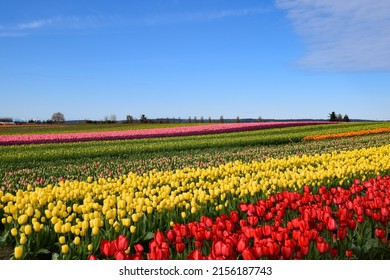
pixel 53 23
pixel 97 20
pixel 35 24
pixel 342 35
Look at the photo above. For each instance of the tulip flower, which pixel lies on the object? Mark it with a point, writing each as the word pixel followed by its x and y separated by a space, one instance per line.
pixel 121 243
pixel 18 252
pixel 107 248
pixel 380 233
pixel 331 224
pixel 92 257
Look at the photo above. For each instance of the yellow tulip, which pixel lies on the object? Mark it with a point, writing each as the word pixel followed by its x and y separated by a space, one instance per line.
pixel 22 219
pixel 28 229
pixel 37 226
pixel 23 239
pixel 61 239
pixel 65 249
pixel 76 241
pixel 95 231
pixel 18 252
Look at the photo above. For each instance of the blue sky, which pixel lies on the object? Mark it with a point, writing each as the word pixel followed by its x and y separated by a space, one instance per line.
pixel 186 58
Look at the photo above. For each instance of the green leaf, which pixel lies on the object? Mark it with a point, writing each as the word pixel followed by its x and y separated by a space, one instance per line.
pixel 42 252
pixel 4 238
pixel 55 256
pixel 371 243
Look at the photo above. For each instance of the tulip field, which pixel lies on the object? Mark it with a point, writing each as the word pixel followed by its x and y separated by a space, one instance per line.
pixel 277 190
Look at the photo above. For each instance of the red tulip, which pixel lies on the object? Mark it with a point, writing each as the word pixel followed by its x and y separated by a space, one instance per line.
pixel 287 252
pixel 242 244
pixel 253 220
pixel 234 216
pixel 195 255
pixel 159 237
pixel 107 248
pixel 304 241
pixel 120 255
pixel 180 247
pixel 138 248
pixel 384 212
pixel 247 254
pixel 267 230
pixel 333 252
pixel 243 207
pixel 352 224
pixel 121 243
pixel 171 235
pixel 217 248
pixel 230 225
pixel 207 221
pixel 251 210
pixel 380 233
pixel 341 233
pixel 92 257
pixel 348 253
pixel 323 247
pixel 331 225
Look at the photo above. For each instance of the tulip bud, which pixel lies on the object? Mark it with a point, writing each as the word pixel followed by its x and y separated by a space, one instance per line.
pixel 18 252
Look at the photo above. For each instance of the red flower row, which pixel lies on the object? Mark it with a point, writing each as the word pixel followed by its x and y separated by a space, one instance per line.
pixel 145 133
pixel 288 225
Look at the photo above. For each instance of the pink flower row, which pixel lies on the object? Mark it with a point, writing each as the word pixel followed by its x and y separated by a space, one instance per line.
pixel 146 133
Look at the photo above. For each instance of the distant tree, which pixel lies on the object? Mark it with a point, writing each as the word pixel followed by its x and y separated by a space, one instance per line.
pixel 346 118
pixel 237 119
pixel 339 117
pixel 189 119
pixel 221 119
pixel 129 119
pixel 259 119
pixel 201 119
pixel 58 117
pixel 210 121
pixel 143 119
pixel 332 117
pixel 195 119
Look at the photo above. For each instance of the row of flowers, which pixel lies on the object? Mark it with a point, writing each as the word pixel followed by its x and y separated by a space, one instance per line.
pixel 146 133
pixel 335 223
pixel 76 215
pixel 347 134
pixel 14 177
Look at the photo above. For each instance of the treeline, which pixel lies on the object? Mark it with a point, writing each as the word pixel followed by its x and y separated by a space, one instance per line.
pixel 333 117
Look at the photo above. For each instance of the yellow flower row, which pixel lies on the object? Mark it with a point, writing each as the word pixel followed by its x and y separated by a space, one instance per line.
pixel 76 209
pixel 346 134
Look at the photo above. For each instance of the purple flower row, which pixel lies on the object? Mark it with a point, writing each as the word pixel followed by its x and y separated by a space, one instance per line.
pixel 145 133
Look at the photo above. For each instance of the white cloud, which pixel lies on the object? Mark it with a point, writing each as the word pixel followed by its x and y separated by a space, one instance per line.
pixel 100 21
pixel 342 35
pixel 35 24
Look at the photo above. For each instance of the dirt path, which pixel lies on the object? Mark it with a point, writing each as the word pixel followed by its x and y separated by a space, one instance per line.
pixel 5 253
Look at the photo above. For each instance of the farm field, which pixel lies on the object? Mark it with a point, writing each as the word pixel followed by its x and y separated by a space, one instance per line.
pixel 318 191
